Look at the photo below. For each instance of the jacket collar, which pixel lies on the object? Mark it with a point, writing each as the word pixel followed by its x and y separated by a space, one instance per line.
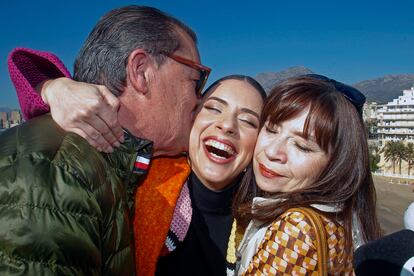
pixel 131 161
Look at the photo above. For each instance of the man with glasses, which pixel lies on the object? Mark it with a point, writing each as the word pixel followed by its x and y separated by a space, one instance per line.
pixel 172 73
pixel 65 208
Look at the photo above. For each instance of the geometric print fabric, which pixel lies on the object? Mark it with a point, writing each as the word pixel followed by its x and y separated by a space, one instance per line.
pixel 288 248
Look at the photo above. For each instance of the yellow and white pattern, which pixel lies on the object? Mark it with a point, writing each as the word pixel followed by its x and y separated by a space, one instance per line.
pixel 288 248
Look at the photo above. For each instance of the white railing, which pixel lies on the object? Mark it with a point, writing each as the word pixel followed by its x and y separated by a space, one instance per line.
pixel 395 110
pixel 394 175
pixel 402 117
pixel 396 132
pixel 400 124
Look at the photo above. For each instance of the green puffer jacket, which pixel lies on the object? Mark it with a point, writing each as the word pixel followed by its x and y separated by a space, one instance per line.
pixel 65 207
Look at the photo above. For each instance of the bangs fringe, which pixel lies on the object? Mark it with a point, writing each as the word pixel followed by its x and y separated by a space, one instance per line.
pixel 288 102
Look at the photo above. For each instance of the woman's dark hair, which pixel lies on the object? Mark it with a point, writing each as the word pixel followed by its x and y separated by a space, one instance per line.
pixel 346 182
pixel 247 79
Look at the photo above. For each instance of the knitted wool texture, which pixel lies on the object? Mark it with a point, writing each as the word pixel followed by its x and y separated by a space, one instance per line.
pixel 155 202
pixel 26 69
pixel 180 222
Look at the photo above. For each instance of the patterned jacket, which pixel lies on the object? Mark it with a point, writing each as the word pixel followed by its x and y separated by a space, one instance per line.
pixel 287 247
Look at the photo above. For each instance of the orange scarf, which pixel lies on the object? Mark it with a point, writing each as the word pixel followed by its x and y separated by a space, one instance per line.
pixel 155 201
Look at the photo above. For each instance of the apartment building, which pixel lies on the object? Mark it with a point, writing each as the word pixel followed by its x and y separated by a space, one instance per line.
pixel 15 118
pixel 396 119
pixel 370 115
pixel 10 119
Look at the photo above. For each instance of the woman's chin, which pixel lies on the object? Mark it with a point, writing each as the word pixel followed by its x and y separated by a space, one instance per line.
pixel 215 180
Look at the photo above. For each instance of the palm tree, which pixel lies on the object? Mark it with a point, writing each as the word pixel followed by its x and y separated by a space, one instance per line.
pixel 409 156
pixel 400 152
pixel 394 151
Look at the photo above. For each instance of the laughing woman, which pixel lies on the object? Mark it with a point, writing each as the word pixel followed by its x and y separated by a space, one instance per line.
pixel 183 219
pixel 310 194
pixel 221 146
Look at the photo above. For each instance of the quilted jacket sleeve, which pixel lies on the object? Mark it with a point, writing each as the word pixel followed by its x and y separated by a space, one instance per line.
pixel 27 69
pixel 61 207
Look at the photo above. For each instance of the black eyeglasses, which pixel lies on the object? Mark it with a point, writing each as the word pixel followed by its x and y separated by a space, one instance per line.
pixel 203 70
pixel 352 94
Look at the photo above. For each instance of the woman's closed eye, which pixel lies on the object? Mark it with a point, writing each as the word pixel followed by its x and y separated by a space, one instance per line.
pixel 249 121
pixel 271 129
pixel 303 148
pixel 307 146
pixel 212 108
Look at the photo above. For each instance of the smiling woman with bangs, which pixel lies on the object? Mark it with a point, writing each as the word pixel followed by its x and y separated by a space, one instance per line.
pixel 310 168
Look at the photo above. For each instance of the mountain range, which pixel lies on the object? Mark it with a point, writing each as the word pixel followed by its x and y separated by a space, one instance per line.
pixel 6 109
pixel 382 90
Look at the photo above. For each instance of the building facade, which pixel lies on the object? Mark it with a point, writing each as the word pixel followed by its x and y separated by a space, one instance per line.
pixel 10 119
pixel 15 118
pixel 370 117
pixel 4 118
pixel 396 119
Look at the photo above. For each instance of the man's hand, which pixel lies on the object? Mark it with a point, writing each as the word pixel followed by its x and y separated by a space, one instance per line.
pixel 88 110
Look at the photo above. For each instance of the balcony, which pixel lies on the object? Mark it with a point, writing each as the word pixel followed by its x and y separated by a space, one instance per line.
pixel 399 117
pixel 397 110
pixel 396 125
pixel 396 134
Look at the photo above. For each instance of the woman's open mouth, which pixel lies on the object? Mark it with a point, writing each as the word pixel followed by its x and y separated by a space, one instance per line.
pixel 219 151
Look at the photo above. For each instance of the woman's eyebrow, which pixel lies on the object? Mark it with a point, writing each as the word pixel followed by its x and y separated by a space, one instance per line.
pixel 218 99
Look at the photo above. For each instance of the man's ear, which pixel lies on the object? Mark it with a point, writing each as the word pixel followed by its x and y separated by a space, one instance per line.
pixel 138 62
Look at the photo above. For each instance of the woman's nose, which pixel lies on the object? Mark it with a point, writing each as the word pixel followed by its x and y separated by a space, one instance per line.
pixel 227 124
pixel 276 150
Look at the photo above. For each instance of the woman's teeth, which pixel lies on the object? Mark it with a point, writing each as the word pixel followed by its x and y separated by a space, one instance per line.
pixel 218 149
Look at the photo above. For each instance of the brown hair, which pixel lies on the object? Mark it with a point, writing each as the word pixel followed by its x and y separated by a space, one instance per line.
pixel 346 181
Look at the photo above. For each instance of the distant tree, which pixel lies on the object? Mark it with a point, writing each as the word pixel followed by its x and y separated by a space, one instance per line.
pixel 371 129
pixel 409 156
pixel 374 158
pixel 394 151
pixel 400 152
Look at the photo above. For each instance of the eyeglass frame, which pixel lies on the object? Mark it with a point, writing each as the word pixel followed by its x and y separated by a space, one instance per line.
pixel 203 70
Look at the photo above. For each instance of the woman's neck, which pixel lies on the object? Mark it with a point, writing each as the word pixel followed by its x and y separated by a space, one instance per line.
pixel 207 200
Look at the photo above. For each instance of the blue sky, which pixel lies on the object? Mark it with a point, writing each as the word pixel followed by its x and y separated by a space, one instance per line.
pixel 348 40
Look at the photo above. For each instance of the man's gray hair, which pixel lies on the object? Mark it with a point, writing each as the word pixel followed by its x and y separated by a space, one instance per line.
pixel 104 55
